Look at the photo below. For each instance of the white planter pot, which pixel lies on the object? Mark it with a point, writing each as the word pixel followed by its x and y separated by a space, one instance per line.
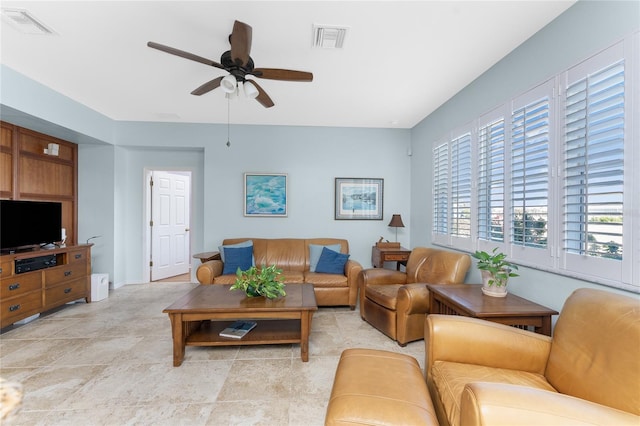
pixel 492 290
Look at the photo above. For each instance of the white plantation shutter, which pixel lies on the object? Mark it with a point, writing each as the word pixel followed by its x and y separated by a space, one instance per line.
pixel 461 186
pixel 440 193
pixel 595 107
pixel 594 164
pixel 530 175
pixel 491 185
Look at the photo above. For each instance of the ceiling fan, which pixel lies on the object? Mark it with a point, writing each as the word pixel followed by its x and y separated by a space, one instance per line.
pixel 239 65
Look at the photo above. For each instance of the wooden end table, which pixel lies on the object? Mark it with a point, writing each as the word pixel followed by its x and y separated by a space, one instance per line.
pixel 380 255
pixel 468 300
pixel 199 316
pixel 207 256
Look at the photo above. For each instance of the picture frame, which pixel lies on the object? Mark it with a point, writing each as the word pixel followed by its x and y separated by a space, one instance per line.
pixel 359 198
pixel 265 194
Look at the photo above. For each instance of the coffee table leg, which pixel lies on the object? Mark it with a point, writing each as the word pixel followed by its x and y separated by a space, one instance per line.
pixel 177 330
pixel 305 329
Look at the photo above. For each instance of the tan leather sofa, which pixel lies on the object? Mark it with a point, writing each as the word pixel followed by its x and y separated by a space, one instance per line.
pixel 396 302
pixel 292 256
pixel 483 373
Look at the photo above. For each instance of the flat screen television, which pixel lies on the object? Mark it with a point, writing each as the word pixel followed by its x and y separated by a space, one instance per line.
pixel 24 224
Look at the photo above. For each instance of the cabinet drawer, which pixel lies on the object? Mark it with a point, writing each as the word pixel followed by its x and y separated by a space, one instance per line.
pixel 15 309
pixel 395 257
pixel 66 292
pixel 52 276
pixel 5 268
pixel 20 284
pixel 77 256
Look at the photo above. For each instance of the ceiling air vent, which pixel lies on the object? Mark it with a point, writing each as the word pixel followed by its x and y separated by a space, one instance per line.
pixel 329 36
pixel 25 22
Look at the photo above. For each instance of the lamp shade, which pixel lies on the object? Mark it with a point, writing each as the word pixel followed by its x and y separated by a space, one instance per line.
pixel 250 90
pixel 228 84
pixel 396 221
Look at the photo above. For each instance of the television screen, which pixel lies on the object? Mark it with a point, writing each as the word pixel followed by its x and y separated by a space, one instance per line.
pixel 29 223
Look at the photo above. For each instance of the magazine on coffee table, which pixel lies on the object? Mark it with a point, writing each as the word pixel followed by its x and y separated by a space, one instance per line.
pixel 238 329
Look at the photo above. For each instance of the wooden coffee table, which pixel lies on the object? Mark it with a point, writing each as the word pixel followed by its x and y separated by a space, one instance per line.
pixel 198 317
pixel 468 300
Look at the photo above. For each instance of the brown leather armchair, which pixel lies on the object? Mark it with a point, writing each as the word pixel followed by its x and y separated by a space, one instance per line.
pixel 396 302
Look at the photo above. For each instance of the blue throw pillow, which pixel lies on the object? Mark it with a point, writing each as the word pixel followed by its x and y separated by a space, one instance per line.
pixel 248 243
pixel 235 258
pixel 315 250
pixel 331 262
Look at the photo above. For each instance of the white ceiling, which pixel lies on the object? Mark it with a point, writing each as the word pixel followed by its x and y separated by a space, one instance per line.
pixel 400 61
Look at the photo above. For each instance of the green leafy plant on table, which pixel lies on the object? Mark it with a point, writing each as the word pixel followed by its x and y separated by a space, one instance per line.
pixel 496 265
pixel 265 281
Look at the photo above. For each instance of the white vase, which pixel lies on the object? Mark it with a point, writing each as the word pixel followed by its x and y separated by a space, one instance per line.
pixel 492 290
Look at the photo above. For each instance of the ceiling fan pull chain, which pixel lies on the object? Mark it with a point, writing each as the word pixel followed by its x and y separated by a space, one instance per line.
pixel 228 115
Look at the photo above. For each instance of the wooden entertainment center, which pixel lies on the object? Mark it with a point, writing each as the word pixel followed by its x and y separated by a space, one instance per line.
pixel 39 167
pixel 50 279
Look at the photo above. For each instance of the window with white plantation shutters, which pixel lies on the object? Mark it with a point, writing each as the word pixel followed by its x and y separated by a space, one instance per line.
pixel 530 173
pixel 490 178
pixel 461 186
pixel 594 164
pixel 551 177
pixel 440 192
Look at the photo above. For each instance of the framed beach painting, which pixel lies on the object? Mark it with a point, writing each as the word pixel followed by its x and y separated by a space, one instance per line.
pixel 359 198
pixel 265 194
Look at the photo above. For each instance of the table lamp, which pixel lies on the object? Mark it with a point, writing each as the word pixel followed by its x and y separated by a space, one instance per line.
pixel 396 222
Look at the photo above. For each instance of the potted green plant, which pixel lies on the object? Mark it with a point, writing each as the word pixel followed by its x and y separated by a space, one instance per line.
pixel 496 271
pixel 265 281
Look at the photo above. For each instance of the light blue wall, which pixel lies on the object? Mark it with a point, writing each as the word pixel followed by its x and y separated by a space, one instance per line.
pixel 581 31
pixel 311 157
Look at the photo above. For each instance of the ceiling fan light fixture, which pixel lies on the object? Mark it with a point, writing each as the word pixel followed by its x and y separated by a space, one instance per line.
pixel 229 84
pixel 250 90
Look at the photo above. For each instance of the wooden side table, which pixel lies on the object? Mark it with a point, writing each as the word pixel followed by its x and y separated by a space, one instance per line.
pixel 207 256
pixel 468 300
pixel 381 255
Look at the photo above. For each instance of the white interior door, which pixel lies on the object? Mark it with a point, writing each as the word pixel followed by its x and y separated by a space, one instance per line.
pixel 170 242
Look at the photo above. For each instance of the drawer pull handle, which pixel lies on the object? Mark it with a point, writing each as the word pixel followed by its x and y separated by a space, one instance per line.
pixel 67 273
pixel 14 308
pixel 14 286
pixel 78 256
pixel 67 290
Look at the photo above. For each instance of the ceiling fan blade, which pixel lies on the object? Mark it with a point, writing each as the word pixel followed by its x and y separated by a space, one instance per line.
pixel 262 97
pixel 208 86
pixel 240 40
pixel 183 54
pixel 280 74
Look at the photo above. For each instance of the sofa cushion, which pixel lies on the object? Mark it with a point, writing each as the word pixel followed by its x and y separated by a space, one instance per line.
pixel 319 279
pixel 315 250
pixel 331 262
pixel 450 378
pixel 384 294
pixel 237 258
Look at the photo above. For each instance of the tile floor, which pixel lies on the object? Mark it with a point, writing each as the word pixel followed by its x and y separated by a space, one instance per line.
pixel 110 363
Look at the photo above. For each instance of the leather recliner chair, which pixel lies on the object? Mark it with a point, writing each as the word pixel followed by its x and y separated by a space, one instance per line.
pixel 396 302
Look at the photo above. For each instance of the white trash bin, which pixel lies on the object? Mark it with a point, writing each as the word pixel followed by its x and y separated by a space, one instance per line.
pixel 99 287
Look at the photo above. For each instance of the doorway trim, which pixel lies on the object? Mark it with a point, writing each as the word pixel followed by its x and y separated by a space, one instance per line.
pixel 146 215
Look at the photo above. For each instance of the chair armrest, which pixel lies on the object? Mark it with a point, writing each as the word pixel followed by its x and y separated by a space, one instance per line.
pixel 352 270
pixel 382 276
pixel 505 404
pixel 450 337
pixel 413 299
pixel 207 271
